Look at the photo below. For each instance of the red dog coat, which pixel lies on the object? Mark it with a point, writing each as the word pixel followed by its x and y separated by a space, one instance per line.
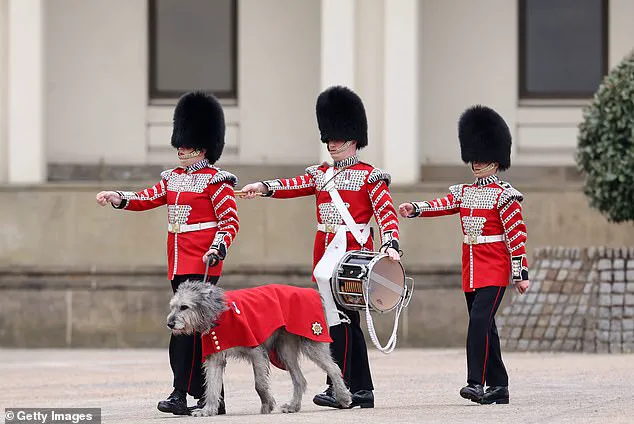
pixel 255 313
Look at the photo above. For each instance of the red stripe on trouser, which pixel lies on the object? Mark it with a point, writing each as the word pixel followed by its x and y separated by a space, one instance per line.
pixel 191 371
pixel 345 354
pixel 486 340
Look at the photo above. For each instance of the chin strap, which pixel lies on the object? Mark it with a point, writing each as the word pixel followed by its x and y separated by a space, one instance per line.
pixel 486 169
pixel 342 148
pixel 190 155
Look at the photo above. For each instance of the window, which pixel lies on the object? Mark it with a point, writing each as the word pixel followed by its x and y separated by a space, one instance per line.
pixel 563 51
pixel 192 45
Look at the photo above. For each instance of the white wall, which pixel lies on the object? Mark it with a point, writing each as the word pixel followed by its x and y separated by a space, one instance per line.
pixel 278 83
pixel 96 80
pixel 97 106
pixel 96 90
pixel 548 134
pixel 469 54
pixel 279 47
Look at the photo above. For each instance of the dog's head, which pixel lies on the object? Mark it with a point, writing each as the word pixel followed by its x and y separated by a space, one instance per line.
pixel 195 307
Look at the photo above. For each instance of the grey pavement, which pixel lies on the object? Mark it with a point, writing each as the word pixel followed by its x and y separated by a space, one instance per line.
pixel 412 386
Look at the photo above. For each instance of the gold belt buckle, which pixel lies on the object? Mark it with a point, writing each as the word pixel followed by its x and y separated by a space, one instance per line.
pixel 472 239
pixel 330 228
pixel 176 228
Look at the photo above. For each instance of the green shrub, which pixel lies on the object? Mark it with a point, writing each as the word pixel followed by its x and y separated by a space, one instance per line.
pixel 605 154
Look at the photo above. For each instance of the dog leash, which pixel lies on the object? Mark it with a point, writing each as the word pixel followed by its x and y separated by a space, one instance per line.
pixel 213 258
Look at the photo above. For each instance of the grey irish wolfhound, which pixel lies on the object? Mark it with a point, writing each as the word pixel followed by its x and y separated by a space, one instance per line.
pixel 196 306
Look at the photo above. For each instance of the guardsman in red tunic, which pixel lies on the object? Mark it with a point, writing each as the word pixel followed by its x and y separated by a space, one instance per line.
pixel 202 222
pixel 494 245
pixel 349 193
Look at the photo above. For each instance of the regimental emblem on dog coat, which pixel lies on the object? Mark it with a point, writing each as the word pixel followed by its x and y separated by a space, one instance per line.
pixel 254 314
pixel 317 328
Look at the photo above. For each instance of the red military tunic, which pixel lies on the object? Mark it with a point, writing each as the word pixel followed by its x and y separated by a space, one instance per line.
pixel 254 314
pixel 362 187
pixel 199 195
pixel 490 208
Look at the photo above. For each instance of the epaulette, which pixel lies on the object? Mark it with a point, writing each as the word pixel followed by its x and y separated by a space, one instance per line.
pixel 165 174
pixel 509 193
pixel 312 170
pixel 456 191
pixel 378 174
pixel 224 176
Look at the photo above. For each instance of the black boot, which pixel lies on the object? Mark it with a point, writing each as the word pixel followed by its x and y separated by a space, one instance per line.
pixel 176 403
pixel 222 410
pixel 496 394
pixel 473 392
pixel 363 398
pixel 326 398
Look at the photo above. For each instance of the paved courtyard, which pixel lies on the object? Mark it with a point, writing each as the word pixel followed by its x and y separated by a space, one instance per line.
pixel 412 386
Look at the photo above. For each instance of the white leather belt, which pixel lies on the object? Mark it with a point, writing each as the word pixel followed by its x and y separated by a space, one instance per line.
pixel 177 228
pixel 332 228
pixel 468 239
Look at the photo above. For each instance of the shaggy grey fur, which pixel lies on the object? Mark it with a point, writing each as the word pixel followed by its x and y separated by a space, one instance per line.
pixel 196 306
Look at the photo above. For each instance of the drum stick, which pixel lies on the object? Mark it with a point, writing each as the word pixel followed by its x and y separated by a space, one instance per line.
pixel 243 194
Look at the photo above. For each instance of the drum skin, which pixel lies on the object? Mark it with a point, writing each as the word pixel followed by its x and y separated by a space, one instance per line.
pixel 382 298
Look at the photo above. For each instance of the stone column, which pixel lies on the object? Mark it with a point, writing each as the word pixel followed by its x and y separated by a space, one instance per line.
pixel 4 38
pixel 337 47
pixel 25 89
pixel 401 135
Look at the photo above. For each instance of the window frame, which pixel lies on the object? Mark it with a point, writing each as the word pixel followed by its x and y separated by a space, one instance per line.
pixel 523 91
pixel 156 94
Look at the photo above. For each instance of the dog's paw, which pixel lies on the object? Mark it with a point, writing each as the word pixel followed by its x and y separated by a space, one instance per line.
pixel 344 399
pixel 345 404
pixel 289 408
pixel 268 407
pixel 204 412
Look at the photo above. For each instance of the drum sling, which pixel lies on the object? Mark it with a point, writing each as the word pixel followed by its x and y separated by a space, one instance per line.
pixel 361 236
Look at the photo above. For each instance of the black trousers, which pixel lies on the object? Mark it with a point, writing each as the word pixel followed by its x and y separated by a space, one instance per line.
pixel 350 352
pixel 484 356
pixel 185 352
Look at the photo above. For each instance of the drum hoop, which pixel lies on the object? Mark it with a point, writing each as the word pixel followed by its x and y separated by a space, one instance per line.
pixel 380 256
pixel 368 306
pixel 373 257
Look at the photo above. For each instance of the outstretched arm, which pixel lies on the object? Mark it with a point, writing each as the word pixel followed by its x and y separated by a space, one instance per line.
pixel 448 205
pixel 146 199
pixel 284 188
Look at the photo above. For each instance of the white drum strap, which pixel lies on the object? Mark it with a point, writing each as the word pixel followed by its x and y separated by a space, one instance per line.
pixel 391 343
pixel 361 236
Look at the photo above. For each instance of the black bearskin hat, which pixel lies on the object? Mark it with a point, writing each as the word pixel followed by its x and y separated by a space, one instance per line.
pixel 199 123
pixel 341 116
pixel 484 137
